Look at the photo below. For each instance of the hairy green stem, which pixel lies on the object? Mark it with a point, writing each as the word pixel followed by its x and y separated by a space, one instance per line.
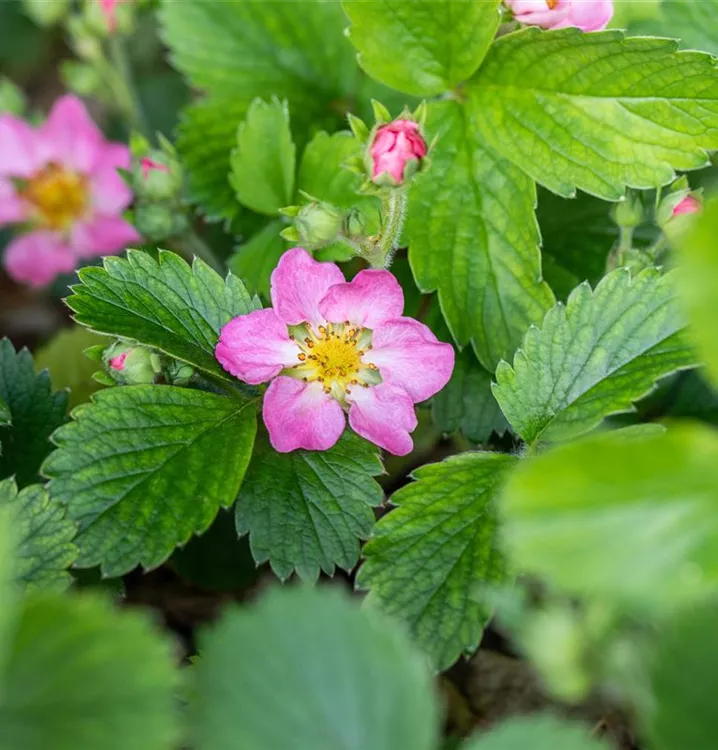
pixel 123 86
pixel 393 212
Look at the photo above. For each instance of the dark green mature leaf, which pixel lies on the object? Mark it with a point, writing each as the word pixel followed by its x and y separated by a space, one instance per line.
pixel 594 356
pixel 5 415
pixel 255 260
pixel 427 560
pixel 339 677
pixel 82 674
pixel 35 413
pixel 683 676
pixel 629 516
pixel 143 468
pixel 305 511
pixel 699 289
pixel 264 162
pixel 466 403
pixel 44 548
pixel 538 732
pixel 596 111
pixel 162 303
pixel 473 236
pixel 421 48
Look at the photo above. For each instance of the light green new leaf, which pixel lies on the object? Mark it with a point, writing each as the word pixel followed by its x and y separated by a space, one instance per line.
pixel 44 548
pixel 596 111
pixel 263 164
pixel 254 261
pixel 628 516
pixel 594 357
pixel 466 403
pixel 35 413
pixel 538 732
pixel 162 303
pixel 699 284
pixel 421 48
pixel 428 560
pixel 473 236
pixel 143 468
pixel 339 677
pixel 307 510
pixel 82 674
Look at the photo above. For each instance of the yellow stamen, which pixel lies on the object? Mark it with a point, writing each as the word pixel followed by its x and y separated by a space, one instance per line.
pixel 58 196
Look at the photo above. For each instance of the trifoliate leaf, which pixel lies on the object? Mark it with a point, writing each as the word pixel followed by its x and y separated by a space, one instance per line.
pixel 473 236
pixel 255 260
pixel 162 303
pixel 594 356
pixel 699 284
pixel 340 678
pixel 44 548
pixel 143 468
pixel 306 511
pixel 264 161
pixel 82 674
pixel 421 48
pixel 428 560
pixel 35 413
pixel 538 732
pixel 466 403
pixel 626 516
pixel 596 111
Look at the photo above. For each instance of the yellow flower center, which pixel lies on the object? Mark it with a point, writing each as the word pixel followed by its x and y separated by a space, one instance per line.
pixel 58 196
pixel 333 356
pixel 551 4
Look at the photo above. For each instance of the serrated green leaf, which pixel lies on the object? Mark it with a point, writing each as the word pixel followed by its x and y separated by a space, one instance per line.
pixel 466 403
pixel 44 548
pixel 305 511
pixel 593 357
pixel 421 48
pixel 538 732
pixel 9 593
pixel 35 413
pixel 143 468
pixel 162 303
pixel 264 161
pixel 699 284
pixel 340 678
pixel 254 261
pixel 473 236
pixel 427 561
pixel 596 111
pixel 627 516
pixel 82 674
pixel 683 677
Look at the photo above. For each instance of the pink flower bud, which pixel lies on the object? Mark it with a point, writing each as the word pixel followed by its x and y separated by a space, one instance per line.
pixel 147 166
pixel 689 205
pixel 587 15
pixel 396 152
pixel 109 11
pixel 118 362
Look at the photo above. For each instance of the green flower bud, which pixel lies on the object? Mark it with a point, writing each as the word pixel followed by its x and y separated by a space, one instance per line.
pixel 318 224
pixel 12 100
pixel 157 176
pixel 158 221
pixel 629 212
pixel 130 364
pixel 354 223
pixel 178 373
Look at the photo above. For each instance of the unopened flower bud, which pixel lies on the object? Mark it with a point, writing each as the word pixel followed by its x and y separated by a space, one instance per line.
pixel 157 176
pixel 680 203
pixel 354 223
pixel 178 373
pixel 396 153
pixel 689 205
pixel 158 221
pixel 318 224
pixel 130 364
pixel 629 212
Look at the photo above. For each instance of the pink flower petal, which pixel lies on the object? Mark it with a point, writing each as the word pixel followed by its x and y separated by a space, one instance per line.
pixel 301 415
pixel 538 12
pixel 689 205
pixel 37 258
pixel 110 193
pixel 12 208
pixel 385 415
pixel 102 235
pixel 371 298
pixel 407 353
pixel 299 283
pixel 70 137
pixel 256 347
pixel 589 15
pixel 20 154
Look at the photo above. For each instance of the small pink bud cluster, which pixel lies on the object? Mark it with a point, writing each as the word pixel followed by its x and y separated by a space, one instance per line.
pixel 587 15
pixel 397 152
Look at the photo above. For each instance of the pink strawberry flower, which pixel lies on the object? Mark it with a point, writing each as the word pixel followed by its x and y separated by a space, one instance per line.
pixel 327 347
pixel 587 15
pixel 60 183
pixel 395 147
pixel 689 205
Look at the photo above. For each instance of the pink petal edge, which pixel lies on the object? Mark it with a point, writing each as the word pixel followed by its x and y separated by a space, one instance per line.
pixel 102 235
pixel 70 136
pixel 37 258
pixel 385 415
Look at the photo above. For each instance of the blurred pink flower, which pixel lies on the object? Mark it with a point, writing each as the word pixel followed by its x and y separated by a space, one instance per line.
pixel 396 146
pixel 60 182
pixel 328 346
pixel 689 205
pixel 109 10
pixel 587 15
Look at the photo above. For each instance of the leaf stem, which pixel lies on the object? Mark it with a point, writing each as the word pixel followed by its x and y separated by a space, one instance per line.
pixel 393 212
